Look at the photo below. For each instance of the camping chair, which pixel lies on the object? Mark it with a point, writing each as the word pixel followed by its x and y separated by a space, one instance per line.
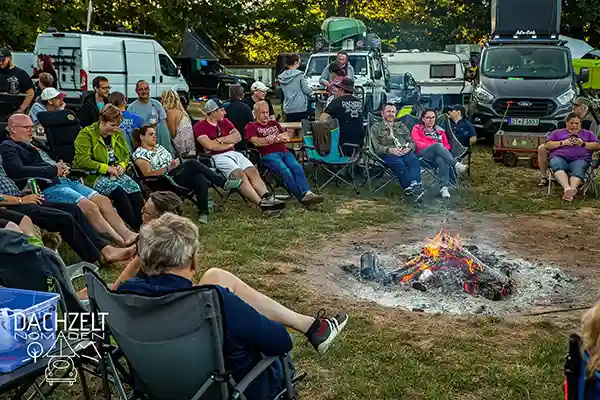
pixel 577 384
pixel 589 183
pixel 458 150
pixel 206 159
pixel 374 166
pixel 334 163
pixel 175 347
pixel 25 264
pixel 61 129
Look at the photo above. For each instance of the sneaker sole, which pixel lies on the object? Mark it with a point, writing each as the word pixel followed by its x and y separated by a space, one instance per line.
pixel 323 347
pixel 312 200
pixel 276 206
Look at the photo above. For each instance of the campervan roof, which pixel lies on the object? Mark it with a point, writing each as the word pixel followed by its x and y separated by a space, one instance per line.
pixel 418 57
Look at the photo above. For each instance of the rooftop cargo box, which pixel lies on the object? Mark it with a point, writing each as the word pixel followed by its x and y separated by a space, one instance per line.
pixel 525 17
pixel 336 29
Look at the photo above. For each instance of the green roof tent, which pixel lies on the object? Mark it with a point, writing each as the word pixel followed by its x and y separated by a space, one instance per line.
pixel 336 29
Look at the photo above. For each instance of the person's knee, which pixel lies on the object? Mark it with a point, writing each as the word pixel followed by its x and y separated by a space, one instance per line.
pixel 213 276
pixel 88 206
pixel 237 174
pixel 542 149
pixel 252 173
pixel 13 227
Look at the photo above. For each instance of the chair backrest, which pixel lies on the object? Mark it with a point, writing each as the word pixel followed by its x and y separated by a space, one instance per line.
pixel 61 128
pixel 173 342
pixel 456 147
pixel 410 121
pixel 371 119
pixel 27 265
pixel 334 155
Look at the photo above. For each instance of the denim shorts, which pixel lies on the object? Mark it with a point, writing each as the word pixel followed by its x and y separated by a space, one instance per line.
pixel 67 191
pixel 575 168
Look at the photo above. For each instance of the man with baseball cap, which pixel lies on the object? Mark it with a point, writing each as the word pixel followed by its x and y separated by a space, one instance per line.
pixel 217 136
pixel 582 107
pixel 259 92
pixel 14 83
pixel 50 100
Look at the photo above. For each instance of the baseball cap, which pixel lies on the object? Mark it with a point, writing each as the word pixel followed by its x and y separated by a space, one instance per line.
pixel 582 101
pixel 258 85
pixel 4 52
pixel 51 93
pixel 212 105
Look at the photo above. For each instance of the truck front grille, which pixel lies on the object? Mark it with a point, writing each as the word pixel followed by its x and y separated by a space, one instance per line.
pixel 525 107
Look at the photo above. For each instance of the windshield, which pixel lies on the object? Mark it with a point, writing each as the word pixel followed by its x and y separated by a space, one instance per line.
pixel 526 62
pixel 318 63
pixel 397 82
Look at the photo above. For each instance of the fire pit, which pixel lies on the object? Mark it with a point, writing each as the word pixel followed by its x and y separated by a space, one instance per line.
pixel 445 275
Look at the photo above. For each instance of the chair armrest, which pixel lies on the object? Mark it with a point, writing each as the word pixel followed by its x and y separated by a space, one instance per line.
pixel 21 182
pixel 79 173
pixel 355 146
pixel 253 374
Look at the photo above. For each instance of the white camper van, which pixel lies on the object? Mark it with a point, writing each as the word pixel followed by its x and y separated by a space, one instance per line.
pixel 437 73
pixel 123 58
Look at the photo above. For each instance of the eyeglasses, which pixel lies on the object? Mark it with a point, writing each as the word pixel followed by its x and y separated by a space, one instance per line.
pixel 105 87
pixel 430 117
pixel 27 127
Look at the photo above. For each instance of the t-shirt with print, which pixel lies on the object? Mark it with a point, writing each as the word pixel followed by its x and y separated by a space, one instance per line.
pixel 349 112
pixel 256 129
pixel 13 81
pixel 159 158
pixel 205 128
pixel 434 134
pixel 130 122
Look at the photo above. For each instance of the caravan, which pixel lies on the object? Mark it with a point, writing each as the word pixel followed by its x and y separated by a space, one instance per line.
pixel 123 58
pixel 440 74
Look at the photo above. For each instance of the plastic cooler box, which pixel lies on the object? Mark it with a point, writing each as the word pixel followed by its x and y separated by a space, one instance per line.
pixel 27 326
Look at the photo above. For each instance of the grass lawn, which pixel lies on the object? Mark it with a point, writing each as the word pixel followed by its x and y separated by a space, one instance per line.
pixel 387 353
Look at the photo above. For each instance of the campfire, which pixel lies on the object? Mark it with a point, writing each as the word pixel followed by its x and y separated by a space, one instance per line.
pixel 444 263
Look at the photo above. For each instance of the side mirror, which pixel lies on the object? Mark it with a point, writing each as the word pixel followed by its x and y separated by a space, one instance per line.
pixel 377 75
pixel 584 75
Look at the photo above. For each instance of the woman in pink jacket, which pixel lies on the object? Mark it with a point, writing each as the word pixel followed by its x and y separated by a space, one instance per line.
pixel 432 144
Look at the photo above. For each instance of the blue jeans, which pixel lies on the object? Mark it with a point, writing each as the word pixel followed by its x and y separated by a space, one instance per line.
pixel 444 160
pixel 575 168
pixel 406 168
pixel 285 165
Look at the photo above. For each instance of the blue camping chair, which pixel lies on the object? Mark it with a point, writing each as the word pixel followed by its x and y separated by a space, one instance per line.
pixel 578 385
pixel 334 162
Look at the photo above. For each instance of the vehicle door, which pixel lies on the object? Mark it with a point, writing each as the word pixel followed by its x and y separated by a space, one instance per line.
pixel 168 74
pixel 141 65
pixel 379 92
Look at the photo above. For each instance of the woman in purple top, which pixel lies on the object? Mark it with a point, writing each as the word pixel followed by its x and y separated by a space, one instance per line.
pixel 570 154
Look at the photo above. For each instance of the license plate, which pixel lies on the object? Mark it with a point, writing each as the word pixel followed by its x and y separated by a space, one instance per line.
pixel 524 121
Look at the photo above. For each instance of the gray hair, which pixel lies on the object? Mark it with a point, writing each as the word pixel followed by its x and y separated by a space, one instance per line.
pixel 167 242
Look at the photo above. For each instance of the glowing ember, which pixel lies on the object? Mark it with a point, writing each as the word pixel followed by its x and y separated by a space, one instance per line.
pixel 443 254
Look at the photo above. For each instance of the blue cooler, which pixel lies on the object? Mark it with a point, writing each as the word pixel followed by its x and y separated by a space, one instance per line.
pixel 27 326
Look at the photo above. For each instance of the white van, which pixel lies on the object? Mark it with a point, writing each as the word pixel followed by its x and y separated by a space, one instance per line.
pixel 437 73
pixel 123 58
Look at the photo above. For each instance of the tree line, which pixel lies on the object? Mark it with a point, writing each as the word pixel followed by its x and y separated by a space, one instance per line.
pixel 256 31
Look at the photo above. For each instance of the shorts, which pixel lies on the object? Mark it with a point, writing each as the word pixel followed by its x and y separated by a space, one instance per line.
pixel 67 191
pixel 575 168
pixel 228 162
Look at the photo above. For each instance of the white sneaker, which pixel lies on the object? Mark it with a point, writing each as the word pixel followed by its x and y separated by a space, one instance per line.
pixel 445 193
pixel 460 168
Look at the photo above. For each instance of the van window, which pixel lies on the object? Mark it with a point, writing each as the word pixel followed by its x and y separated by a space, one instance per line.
pixel 442 71
pixel 166 65
pixel 318 63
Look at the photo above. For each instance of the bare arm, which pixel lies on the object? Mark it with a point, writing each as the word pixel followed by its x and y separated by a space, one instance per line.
pixel 233 137
pixel 29 95
pixel 173 119
pixel 146 169
pixel 553 145
pixel 594 146
pixel 129 272
pixel 212 145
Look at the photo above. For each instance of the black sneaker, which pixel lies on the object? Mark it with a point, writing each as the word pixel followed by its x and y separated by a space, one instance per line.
pixel 325 330
pixel 271 203
pixel 543 182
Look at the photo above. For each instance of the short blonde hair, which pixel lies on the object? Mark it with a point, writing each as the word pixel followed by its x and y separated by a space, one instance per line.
pixel 590 333
pixel 110 113
pixel 167 242
pixel 170 100
pixel 257 106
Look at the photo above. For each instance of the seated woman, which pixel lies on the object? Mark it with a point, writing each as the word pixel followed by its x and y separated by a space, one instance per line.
pixel 392 142
pixel 432 144
pixel 269 137
pixel 152 159
pixel 570 151
pixel 102 148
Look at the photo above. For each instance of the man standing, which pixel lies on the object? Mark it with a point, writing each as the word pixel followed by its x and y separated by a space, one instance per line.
pixel 259 93
pixel 153 113
pixel 349 112
pixel 93 102
pixel 13 82
pixel 342 61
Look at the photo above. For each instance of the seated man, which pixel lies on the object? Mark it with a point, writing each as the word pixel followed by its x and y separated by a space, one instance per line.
pixel 571 151
pixel 66 219
pixel 50 100
pixel 168 247
pixel 22 159
pixel 270 138
pixel 217 136
pixel 393 143
pixel 464 131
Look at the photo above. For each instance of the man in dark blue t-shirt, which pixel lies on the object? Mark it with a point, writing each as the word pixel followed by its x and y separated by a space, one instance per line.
pixel 255 325
pixel 464 130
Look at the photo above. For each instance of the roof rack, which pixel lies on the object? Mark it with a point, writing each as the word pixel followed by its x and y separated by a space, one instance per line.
pixel 106 33
pixel 525 37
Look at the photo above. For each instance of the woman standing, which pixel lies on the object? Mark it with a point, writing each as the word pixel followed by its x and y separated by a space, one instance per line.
pixel 102 149
pixel 152 159
pixel 432 144
pixel 295 90
pixel 179 124
pixel 45 65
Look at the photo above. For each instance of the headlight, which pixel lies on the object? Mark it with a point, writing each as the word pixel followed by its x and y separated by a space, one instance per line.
pixel 566 98
pixel 483 96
